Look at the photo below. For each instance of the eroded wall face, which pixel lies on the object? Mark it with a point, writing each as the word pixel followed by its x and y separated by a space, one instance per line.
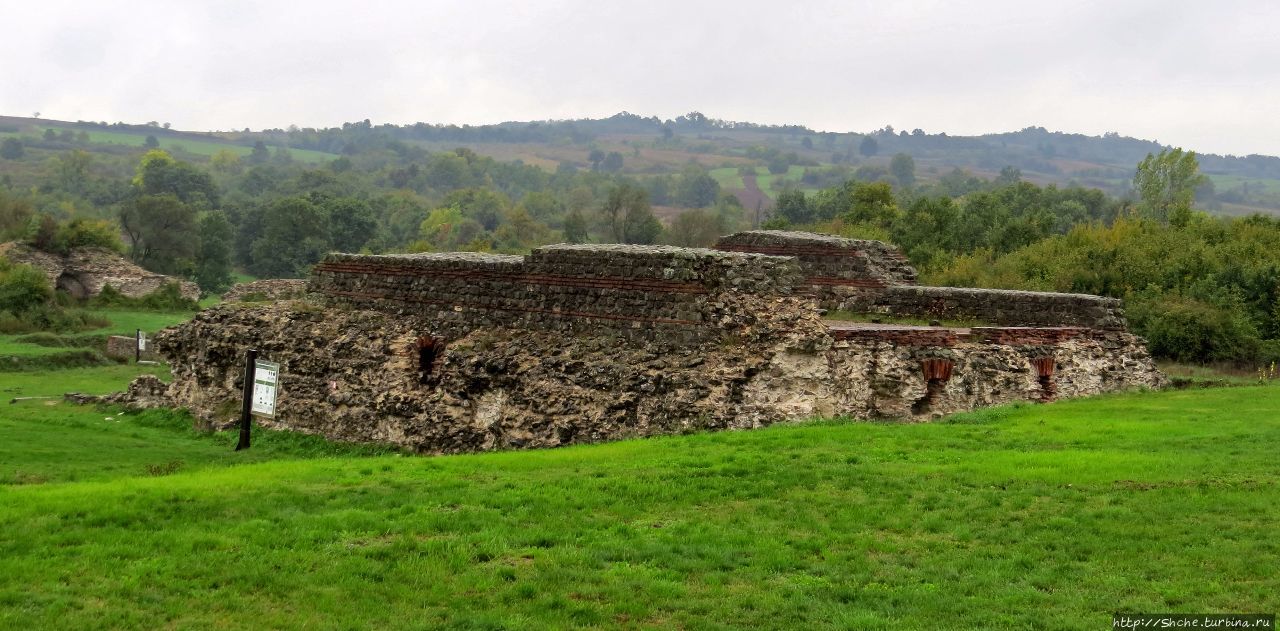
pixel 357 375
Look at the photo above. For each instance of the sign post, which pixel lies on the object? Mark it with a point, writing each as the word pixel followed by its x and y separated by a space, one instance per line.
pixel 141 345
pixel 261 381
pixel 246 398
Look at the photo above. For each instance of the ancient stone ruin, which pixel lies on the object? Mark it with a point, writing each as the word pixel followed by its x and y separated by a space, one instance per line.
pixel 83 272
pixel 578 343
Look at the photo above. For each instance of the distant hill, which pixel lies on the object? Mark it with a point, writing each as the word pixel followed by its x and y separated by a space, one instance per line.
pixel 778 156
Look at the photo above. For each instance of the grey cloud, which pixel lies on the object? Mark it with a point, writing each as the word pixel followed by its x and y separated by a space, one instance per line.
pixel 1190 73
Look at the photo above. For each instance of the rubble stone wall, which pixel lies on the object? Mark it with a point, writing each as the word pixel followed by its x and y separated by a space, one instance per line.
pixel 829 262
pixel 673 294
pixel 125 347
pixel 995 306
pixel 358 375
pixel 267 289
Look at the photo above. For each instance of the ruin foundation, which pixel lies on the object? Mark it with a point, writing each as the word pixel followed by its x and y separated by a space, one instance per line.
pixel 445 353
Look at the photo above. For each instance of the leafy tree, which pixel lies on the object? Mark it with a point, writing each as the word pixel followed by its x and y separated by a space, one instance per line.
pixel 50 134
pixel 629 216
pixel 697 189
pixel 694 228
pixel 792 206
pixel 260 153
pixel 612 162
pixel 225 161
pixel 158 173
pixel 575 227
pixel 72 170
pixel 595 157
pixel 869 147
pixel 481 205
pixel 15 216
pixel 351 223
pixel 1166 185
pixel 11 149
pixel 294 237
pixel 213 258
pixel 903 168
pixel 541 205
pixel 161 231
pixel 151 142
pixel 1008 175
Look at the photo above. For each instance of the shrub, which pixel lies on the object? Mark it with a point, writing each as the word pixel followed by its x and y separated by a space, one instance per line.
pixel 81 233
pixel 167 298
pixel 23 288
pixel 1189 330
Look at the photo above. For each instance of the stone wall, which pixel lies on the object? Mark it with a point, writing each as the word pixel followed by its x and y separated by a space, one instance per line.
pixel 829 262
pixel 266 289
pixel 994 306
pixel 661 293
pixel 85 271
pixel 360 375
pixel 464 352
pixel 872 277
pixel 124 347
pixel 881 375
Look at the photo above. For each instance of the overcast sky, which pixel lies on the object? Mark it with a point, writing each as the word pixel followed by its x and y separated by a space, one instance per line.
pixel 1202 75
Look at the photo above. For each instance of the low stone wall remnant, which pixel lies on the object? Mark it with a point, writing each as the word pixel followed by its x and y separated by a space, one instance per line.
pixel 85 271
pixel 995 306
pixel 266 289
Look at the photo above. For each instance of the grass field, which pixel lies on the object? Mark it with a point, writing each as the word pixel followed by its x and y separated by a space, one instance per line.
pixel 190 145
pixel 1025 517
pixel 17 353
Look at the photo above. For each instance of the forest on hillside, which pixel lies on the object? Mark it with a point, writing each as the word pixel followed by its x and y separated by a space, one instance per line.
pixel 1200 286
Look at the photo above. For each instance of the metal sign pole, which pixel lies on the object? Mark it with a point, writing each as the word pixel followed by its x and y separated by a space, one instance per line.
pixel 246 417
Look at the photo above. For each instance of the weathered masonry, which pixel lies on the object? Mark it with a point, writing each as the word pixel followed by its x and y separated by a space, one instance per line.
pixel 577 343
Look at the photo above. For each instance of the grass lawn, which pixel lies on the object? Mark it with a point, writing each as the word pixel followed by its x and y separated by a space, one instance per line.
pixel 124 322
pixel 18 353
pixel 1049 516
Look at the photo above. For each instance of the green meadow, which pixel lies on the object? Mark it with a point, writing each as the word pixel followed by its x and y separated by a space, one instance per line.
pixel 1031 516
pixel 171 143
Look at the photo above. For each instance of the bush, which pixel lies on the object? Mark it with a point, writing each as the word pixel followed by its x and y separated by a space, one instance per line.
pixel 23 288
pixel 82 233
pixel 167 298
pixel 1189 330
